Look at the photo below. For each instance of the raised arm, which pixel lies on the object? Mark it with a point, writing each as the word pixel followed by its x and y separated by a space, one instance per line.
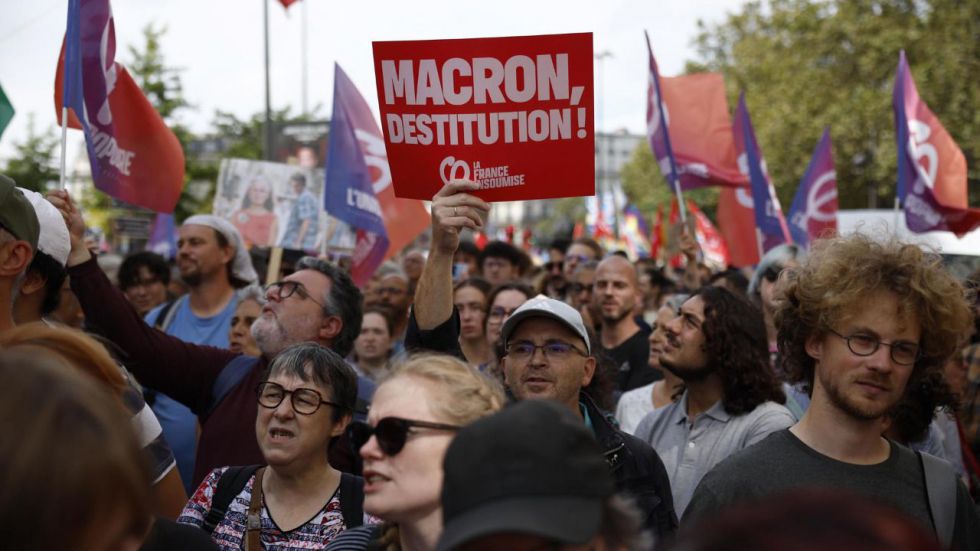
pixel 182 370
pixel 452 210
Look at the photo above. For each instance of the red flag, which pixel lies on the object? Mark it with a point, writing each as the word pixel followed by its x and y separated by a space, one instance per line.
pixel 287 3
pixel 711 242
pixel 657 235
pixel 481 240
pixel 134 157
pixel 701 130
pixel 736 220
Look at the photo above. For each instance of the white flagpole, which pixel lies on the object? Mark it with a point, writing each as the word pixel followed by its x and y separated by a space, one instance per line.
pixel 895 221
pixel 64 139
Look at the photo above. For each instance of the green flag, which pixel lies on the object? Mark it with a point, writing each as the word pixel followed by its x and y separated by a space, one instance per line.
pixel 6 111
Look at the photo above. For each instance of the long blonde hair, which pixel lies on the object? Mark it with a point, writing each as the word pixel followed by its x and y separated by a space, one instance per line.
pixel 463 396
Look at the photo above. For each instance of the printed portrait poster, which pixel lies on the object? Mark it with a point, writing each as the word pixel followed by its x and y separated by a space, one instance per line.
pixel 278 205
pixel 514 114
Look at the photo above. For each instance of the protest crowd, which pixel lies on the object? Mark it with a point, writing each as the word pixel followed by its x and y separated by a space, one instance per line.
pixel 433 385
pixel 470 398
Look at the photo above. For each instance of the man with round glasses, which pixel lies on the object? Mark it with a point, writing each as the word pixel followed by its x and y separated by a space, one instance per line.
pixel 862 323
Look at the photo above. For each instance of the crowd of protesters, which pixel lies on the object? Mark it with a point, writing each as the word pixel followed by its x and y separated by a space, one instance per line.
pixel 481 398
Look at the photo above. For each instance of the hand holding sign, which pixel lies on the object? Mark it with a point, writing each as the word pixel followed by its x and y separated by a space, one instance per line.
pixel 452 210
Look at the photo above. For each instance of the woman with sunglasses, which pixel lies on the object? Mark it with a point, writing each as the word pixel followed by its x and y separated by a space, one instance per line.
pixel 299 499
pixel 415 413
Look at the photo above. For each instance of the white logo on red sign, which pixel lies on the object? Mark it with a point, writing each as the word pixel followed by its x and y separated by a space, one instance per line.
pixel 451 169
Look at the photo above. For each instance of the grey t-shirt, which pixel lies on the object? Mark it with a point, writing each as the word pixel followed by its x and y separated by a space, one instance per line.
pixel 783 462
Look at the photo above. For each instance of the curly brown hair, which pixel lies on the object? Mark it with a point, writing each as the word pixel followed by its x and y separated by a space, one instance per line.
pixel 838 277
pixel 735 340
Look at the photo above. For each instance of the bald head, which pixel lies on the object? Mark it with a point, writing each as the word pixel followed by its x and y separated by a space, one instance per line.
pixel 622 267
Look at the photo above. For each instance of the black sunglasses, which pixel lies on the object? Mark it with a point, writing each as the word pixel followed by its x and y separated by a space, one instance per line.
pixel 391 432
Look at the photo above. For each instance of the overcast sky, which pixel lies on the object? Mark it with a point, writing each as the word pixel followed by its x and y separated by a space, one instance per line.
pixel 218 44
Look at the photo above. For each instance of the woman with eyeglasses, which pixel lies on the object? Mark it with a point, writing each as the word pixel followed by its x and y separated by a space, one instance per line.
pixel 415 414
pixel 298 500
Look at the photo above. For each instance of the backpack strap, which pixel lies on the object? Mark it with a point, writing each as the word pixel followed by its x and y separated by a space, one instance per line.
pixel 167 314
pixel 231 374
pixel 231 483
pixel 352 499
pixel 941 492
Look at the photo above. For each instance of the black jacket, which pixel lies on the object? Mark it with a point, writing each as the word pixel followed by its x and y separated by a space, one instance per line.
pixel 639 472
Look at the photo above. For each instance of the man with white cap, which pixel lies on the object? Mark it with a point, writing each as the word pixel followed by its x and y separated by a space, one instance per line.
pixel 40 291
pixel 213 263
pixel 19 234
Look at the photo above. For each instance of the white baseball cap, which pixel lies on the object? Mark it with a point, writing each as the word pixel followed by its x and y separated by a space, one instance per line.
pixel 54 240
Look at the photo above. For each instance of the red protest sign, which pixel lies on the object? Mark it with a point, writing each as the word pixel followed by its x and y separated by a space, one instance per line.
pixel 514 114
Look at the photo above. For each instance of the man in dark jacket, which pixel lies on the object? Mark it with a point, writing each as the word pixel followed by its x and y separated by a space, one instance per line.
pixel 548 355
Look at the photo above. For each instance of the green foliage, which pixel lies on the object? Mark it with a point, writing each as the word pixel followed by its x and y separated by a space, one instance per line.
pixel 34 165
pixel 161 84
pixel 806 64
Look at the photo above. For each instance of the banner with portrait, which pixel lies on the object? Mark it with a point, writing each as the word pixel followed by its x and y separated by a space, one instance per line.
pixel 279 205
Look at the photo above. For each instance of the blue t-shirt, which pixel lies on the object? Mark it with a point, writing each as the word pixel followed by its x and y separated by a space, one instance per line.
pixel 178 421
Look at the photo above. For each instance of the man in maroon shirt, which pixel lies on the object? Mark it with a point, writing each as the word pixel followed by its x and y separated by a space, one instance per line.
pixel 317 303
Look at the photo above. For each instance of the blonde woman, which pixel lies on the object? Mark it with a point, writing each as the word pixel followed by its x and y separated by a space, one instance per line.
pixel 416 412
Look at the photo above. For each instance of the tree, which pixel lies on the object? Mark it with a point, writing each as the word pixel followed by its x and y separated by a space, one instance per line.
pixel 161 84
pixel 34 166
pixel 807 64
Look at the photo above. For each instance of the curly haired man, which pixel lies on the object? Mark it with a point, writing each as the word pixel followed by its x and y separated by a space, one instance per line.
pixel 863 323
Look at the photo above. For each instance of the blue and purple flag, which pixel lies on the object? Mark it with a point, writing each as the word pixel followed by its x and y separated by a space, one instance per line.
pixel 133 155
pixel 813 213
pixel 163 236
pixel 932 172
pixel 657 132
pixel 769 220
pixel 349 193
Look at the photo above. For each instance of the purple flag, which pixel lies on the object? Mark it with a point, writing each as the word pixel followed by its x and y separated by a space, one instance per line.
pixel 657 132
pixel 769 218
pixel 349 194
pixel 814 209
pixel 163 236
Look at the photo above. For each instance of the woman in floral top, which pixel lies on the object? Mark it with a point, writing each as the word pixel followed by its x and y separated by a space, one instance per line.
pixel 307 400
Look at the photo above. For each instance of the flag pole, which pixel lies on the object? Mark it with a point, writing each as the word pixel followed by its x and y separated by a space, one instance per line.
pixel 895 219
pixel 758 242
pixel 267 142
pixel 303 55
pixel 674 179
pixel 64 135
